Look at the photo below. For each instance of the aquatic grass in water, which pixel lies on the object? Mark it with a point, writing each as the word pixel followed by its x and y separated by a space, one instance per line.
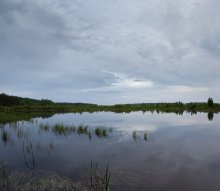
pixel 98 180
pixel 145 136
pixel 4 182
pixel 101 132
pixel 60 129
pixel 63 130
pixel 137 137
pixel 5 137
pixel 134 135
pixel 45 127
pixel 82 130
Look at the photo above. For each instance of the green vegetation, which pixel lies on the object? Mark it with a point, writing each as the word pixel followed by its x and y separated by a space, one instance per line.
pixel 4 182
pixel 101 132
pixel 10 117
pixel 136 136
pixel 14 108
pixel 60 129
pixel 98 180
pixel 82 130
pixel 5 137
pixel 6 100
pixel 210 102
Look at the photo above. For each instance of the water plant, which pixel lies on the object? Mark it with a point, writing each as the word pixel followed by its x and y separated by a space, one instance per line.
pixel 4 181
pixel 60 129
pixel 45 127
pixel 134 135
pixel 98 180
pixel 145 136
pixel 5 137
pixel 101 132
pixel 82 129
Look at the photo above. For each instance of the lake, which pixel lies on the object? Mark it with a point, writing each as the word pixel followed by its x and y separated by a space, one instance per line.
pixel 143 151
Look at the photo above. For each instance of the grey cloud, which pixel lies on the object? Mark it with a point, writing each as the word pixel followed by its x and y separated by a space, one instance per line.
pixel 59 49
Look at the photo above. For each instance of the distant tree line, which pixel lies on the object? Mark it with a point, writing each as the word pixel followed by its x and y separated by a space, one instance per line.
pixel 19 104
pixel 6 100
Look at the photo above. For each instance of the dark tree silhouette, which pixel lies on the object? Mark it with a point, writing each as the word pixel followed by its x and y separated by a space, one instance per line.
pixel 210 102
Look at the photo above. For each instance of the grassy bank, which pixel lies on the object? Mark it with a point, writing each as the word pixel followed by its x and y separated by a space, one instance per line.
pixel 119 108
pixel 14 108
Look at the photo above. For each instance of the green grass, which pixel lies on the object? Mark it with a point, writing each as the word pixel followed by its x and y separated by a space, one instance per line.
pixel 26 105
pixel 177 108
pixel 82 130
pixel 61 129
pixel 98 179
pixel 101 132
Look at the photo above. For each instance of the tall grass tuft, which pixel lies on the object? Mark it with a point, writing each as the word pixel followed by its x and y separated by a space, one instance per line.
pixel 98 180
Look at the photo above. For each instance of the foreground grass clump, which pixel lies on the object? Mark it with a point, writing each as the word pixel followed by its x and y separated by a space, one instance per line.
pixel 38 180
pixel 98 180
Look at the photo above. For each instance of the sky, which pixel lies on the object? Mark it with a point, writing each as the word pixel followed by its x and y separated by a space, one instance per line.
pixel 110 51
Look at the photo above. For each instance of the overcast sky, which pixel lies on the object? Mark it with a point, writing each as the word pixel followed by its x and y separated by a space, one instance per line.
pixel 110 51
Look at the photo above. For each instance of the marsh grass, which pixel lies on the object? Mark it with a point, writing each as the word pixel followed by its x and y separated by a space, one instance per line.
pixel 45 127
pixel 5 137
pixel 60 129
pixel 136 136
pixel 101 132
pixel 39 181
pixel 145 136
pixel 98 179
pixel 82 130
pixel 4 181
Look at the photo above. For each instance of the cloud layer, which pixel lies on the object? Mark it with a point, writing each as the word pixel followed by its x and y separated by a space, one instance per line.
pixel 110 51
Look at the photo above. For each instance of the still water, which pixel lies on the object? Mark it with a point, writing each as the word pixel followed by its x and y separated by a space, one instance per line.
pixel 143 151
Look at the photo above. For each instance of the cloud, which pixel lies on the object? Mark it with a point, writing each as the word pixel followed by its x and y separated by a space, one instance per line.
pixel 188 89
pixel 153 50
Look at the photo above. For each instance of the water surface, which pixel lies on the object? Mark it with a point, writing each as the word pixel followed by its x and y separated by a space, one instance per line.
pixel 144 151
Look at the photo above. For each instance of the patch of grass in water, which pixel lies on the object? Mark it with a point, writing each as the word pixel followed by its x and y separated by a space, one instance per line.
pixel 101 132
pixel 5 137
pixel 145 136
pixel 134 135
pixel 82 130
pixel 61 129
pixel 45 127
pixel 4 181
pixel 98 179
